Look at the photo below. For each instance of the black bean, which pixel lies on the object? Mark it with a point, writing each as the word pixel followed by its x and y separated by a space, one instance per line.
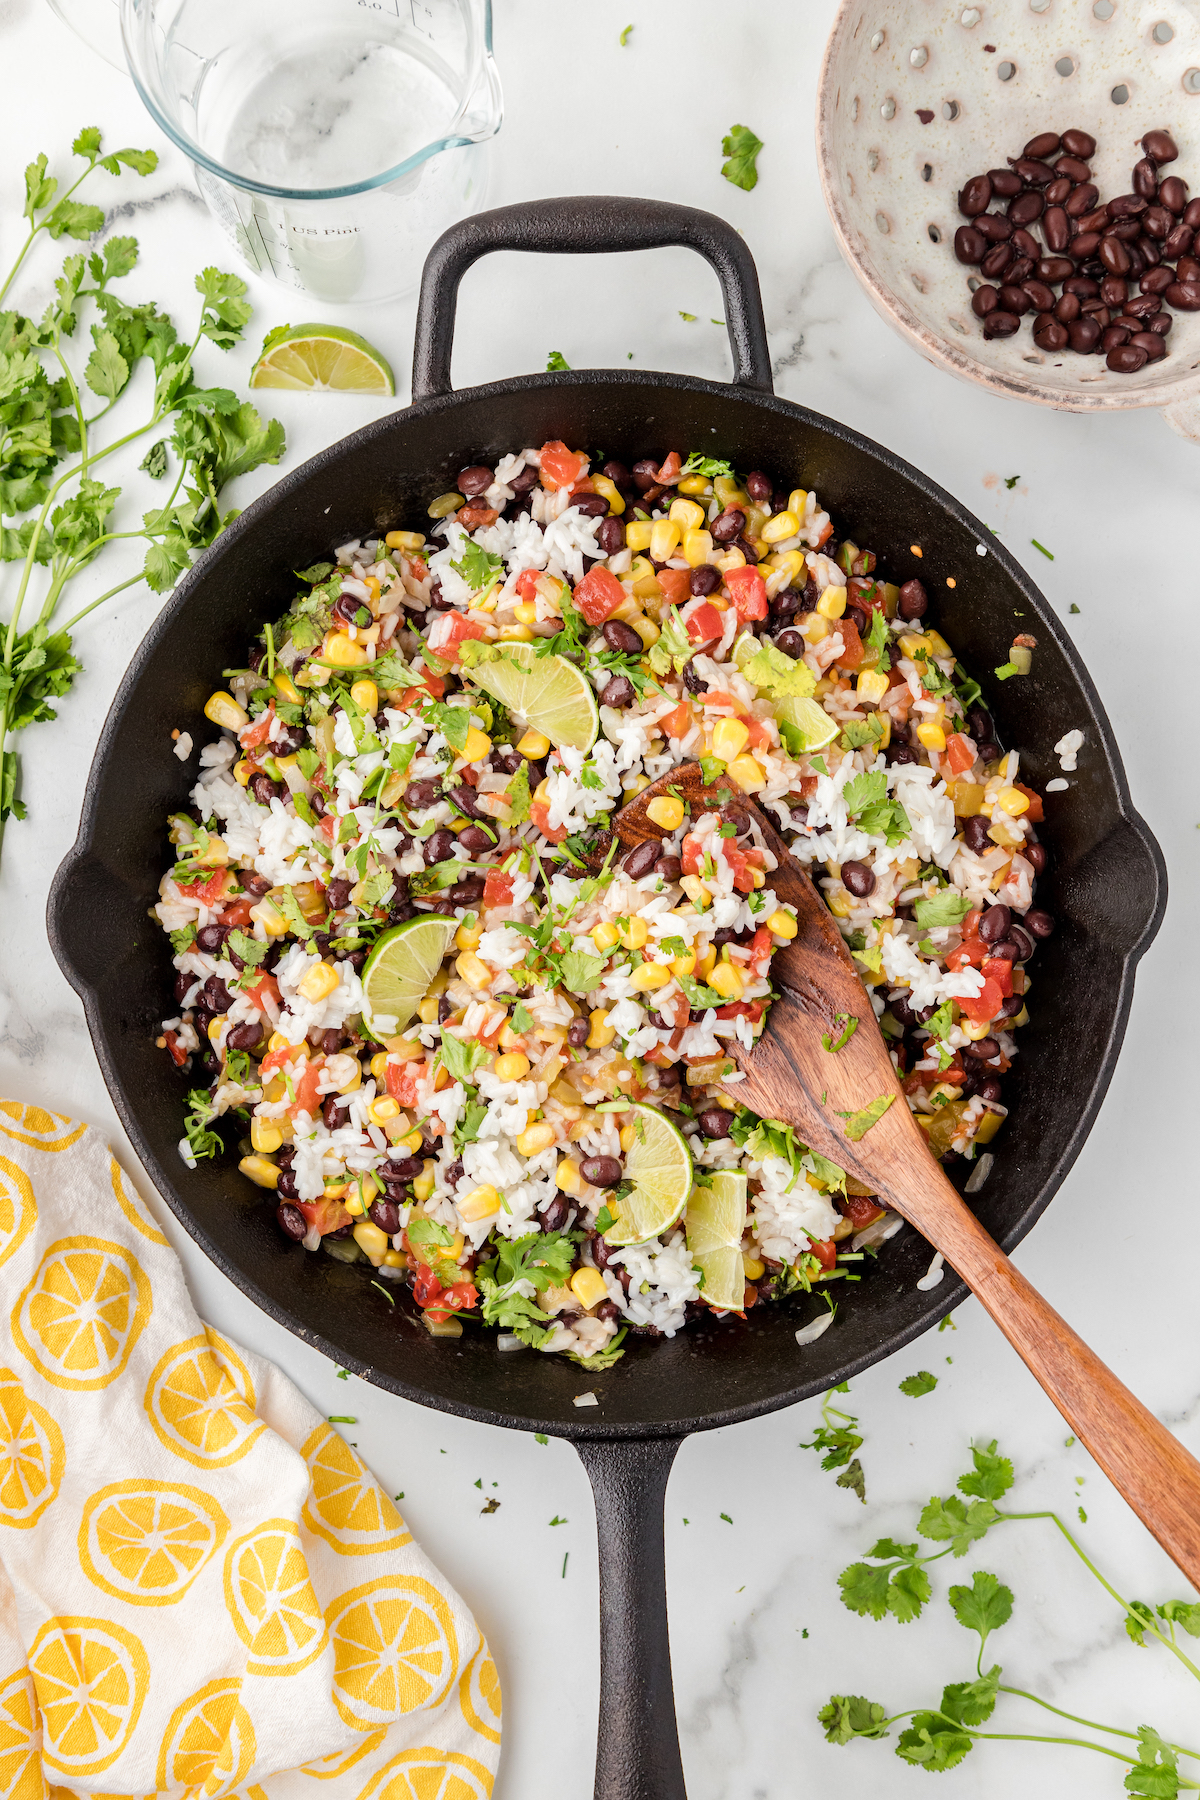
pixel 291 1220
pixel 1025 944
pixel 287 1186
pixel 1160 324
pixel 1013 299
pixel 1060 190
pixel 622 638
pixel 1126 359
pixel 611 536
pixel 704 580
pixel 446 1009
pixel 468 891
pixel 1048 334
pixel 464 799
pixel 474 481
pixel 1026 207
pixel 728 525
pixel 601 1171
pixel 858 878
pixel 1041 146
pixel 1056 229
pixel 1081 200
pixel 714 1122
pixel 264 789
pixel 792 642
pixel 439 846
pixel 1084 335
pixel 332 1040
pixel 618 692
pixel 989 1089
pixel 335 1112
pixel 900 753
pixel 976 196
pixel 1041 298
pixel 553 1216
pixel 601 1252
pixel 975 835
pixel 1067 307
pixel 668 868
pixel 1001 325
pixel 984 300
pixel 210 938
pixel 759 487
pixel 216 996
pixel 401 1168
pixel 351 610
pixel 385 1214
pixel 577 1033
pixel 914 601
pixel 996 262
pixel 642 858
pixel 1184 296
pixel 1036 920
pixel 245 1037
pixel 1160 146
pixel 182 985
pixel 592 506
pixel 607 1310
pixel 258 885
pixel 983 1049
pixel 1038 856
pixel 995 923
pixel 420 794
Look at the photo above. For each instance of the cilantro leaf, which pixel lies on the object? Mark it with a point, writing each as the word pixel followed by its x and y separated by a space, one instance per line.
pixel 707 466
pixel 847 1716
pixel 859 1123
pixel 1182 1612
pixel 921 1383
pixel 865 790
pixel 853 1478
pixel 839 1443
pixel 950 1522
pixel 888 820
pixel 946 908
pixel 992 1475
pixel 673 648
pixel 1156 1772
pixel 712 768
pixel 202 1141
pixel 293 914
pixel 849 1025
pixel 478 568
pixel 581 972
pixel 741 149
pixel 972 1702
pixel 983 1607
pixel 460 1057
pixel 932 1744
pixel 879 638
pixel 699 996
pixel 454 722
pixel 247 949
pixel 875 1592
pixel 556 361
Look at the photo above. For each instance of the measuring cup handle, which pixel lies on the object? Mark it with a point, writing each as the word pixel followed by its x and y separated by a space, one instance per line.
pixel 588 225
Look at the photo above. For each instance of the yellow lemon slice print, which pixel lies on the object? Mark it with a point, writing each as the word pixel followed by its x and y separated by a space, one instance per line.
pixel 394 1649
pixel 479 1695
pixel 271 1600
pixel 146 1541
pixel 82 1313
pixel 39 1129
pixel 21 1775
pixel 208 1746
pixel 18 1208
pixel 90 1677
pixel 32 1455
pixel 131 1205
pixel 430 1774
pixel 324 1768
pixel 347 1507
pixel 200 1399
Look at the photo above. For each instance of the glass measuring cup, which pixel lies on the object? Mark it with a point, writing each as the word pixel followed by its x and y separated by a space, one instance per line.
pixel 333 140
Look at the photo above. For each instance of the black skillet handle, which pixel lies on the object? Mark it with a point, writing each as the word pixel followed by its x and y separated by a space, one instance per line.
pixel 637 1746
pixel 586 225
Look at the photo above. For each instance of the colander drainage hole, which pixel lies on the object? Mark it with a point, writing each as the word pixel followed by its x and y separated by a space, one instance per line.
pixel 927 172
pixel 1191 81
pixel 1103 9
pixel 1006 70
pixel 1163 33
pixel 1064 66
pixel 1120 94
pixel 950 109
pixel 1039 6
pixel 935 234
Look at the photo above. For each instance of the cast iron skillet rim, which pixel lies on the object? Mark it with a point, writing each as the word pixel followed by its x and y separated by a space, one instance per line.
pixel 632 380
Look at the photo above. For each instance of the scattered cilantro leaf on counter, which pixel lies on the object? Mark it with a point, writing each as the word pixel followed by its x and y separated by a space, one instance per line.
pixel 490 1505
pixel 624 39
pixel 555 362
pixel 838 1441
pixel 741 149
pixel 688 318
pixel 1073 608
pixel 540 1437
pixel 848 1716
pixel 1049 554
pixel 1010 481
pixel 920 1383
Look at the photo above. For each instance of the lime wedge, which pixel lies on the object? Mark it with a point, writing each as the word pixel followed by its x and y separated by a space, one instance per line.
pixel 745 645
pixel 398 972
pixel 548 693
pixel 660 1168
pixel 810 719
pixel 326 357
pixel 716 1219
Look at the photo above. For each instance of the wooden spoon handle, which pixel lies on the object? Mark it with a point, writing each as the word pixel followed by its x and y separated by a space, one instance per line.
pixel 1144 1462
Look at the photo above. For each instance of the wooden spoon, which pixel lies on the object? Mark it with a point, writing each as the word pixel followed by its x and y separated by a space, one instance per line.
pixel 790 1076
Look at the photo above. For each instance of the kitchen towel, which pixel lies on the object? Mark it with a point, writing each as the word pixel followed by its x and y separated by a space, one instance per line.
pixel 203 1590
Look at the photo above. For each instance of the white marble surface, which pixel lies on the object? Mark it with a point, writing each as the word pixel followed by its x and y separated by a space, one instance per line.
pixel 1114 499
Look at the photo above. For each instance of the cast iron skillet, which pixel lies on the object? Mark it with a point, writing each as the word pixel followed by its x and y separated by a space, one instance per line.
pixel 1106 884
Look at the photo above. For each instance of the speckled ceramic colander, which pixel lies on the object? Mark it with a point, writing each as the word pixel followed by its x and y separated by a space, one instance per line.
pixel 917 95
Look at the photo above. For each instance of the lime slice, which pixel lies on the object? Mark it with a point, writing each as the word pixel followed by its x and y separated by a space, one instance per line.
pixel 810 719
pixel 398 972
pixel 745 645
pixel 660 1168
pixel 716 1219
pixel 547 692
pixel 326 357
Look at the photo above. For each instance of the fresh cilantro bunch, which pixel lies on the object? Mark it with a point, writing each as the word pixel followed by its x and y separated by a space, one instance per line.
pixel 542 1260
pixel 62 518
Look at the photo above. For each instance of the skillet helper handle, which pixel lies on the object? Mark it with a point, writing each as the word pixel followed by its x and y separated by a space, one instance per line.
pixel 637 1744
pixel 588 224
pixel 1147 1465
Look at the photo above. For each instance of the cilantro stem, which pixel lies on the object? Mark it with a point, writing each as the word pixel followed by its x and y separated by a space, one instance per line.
pixel 1092 1724
pixel 34 229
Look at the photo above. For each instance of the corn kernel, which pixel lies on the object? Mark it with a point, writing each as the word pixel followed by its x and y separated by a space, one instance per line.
pixel 605 936
pixel 285 687
pixel 752 1268
pixel 708 960
pixel 216 1027
pixel 749 774
pixel 646 629
pixel 516 634
pixel 475 973
pixel 567 1175
pixel 683 965
pixel 444 505
pixel 364 693
pixel 242 771
pixel 732 559
pixel 629 1137
pixel 588 1287
pixel 480 1203
pixel 782 924
pixel 840 905
pixel 784 525
pixel 267 914
pixel 265 1134
pixel 729 738
pixel 694 484
pixel 513 1067
pixel 526 612
pixel 637 535
pixel 666 810
pixel 477 745
pixel 379 1064
pixel 912 642
pixel 976 1032
pixel 534 744
pixel 932 736
pixel 394 1259
pixel 726 978
pixel 383 1108
pixel 814 626
pixel 665 535
pixel 427 1012
pixel 634 934
pixel 542 791
pixel 697 547
pixel 611 493
pixel 601 1033
pixel 412 1140
pixel 832 603
pixel 938 645
pixel 467 937
pixel 408 541
pixel 260 1170
pixel 1012 801
pixel 791 564
pixel 798 502
pixel 222 709
pixel 423 1185
pixel 370 1238
pixel 648 977
pixel 872 685
pixel 319 983
pixel 687 515
pixel 343 651
pixel 536 1138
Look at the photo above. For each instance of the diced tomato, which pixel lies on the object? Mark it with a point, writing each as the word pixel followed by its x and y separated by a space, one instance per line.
pixel 527 584
pixel 1037 811
pixel 676 1011
pixel 328 825
pixel 448 631
pixel 598 595
pixel 208 891
pixel 497 888
pixel 852 650
pixel 326 1215
pixel 970 925
pixel 418 568
pixel 476 518
pixel 970 954
pixel 307 1099
pixel 676 584
pixel 250 736
pixel 462 1296
pixel 692 855
pixel 678 723
pixel 749 592
pixel 401 1079
pixel 266 984
pixel 826 533
pixel 705 624
pixel 718 697
pixel 658 1056
pixel 435 683
pixel 670 471
pixel 860 1209
pixel 237 914
pixel 178 1054
pixel 760 950
pixel 275 1059
pixel 825 1253
pixel 742 1009
pixel 959 754
pixel 759 737
pixel 560 467
pixel 426 1287
pixel 982 1007
pixel 996 969
pixel 539 812
pixel 739 863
